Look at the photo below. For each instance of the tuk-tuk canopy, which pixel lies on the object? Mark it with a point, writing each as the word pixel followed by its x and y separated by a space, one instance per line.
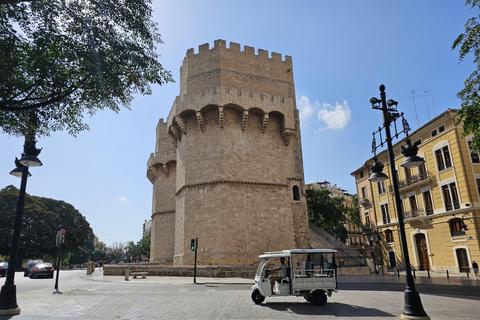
pixel 288 253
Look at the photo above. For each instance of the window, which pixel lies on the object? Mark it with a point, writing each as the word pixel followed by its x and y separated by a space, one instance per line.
pixel 450 196
pixel 441 128
pixel 434 133
pixel 296 193
pixel 456 227
pixel 361 174
pixel 473 155
pixel 389 236
pixel 364 193
pixel 418 142
pixel 427 201
pixel 367 220
pixel 408 176
pixel 478 185
pixel 422 171
pixel 381 187
pixel 413 206
pixel 443 158
pixel 385 213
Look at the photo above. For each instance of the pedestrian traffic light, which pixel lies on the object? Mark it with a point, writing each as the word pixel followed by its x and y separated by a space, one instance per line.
pixel 192 244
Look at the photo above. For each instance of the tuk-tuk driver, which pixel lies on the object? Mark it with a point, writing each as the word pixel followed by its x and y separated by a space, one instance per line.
pixel 281 274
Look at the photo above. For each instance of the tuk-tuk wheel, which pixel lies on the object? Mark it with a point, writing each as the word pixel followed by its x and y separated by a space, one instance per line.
pixel 319 298
pixel 257 297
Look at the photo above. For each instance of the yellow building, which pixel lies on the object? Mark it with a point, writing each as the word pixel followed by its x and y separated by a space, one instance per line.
pixel 440 200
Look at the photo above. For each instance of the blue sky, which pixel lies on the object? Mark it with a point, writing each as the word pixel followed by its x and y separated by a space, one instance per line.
pixel 342 51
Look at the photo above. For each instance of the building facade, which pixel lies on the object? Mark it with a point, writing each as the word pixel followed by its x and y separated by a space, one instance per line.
pixel 440 200
pixel 227 167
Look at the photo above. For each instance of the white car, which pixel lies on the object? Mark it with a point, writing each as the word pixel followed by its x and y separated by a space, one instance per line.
pixel 311 273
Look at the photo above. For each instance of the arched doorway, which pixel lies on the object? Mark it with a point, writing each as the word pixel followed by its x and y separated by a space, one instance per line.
pixel 462 259
pixel 422 251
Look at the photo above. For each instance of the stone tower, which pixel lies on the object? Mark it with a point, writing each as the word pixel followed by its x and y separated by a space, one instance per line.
pixel 228 165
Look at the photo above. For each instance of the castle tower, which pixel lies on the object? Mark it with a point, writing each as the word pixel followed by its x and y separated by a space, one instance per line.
pixel 239 171
pixel 162 174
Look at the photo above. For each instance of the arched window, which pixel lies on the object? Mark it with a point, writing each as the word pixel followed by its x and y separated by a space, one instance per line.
pixel 296 193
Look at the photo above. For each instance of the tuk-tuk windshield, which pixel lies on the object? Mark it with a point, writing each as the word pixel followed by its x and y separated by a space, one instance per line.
pixel 261 265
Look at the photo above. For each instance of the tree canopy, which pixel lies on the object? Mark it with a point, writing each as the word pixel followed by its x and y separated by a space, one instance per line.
pixel 42 218
pixel 327 212
pixel 67 59
pixel 469 42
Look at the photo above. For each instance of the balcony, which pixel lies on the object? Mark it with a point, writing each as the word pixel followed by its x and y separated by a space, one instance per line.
pixel 414 215
pixel 365 203
pixel 412 182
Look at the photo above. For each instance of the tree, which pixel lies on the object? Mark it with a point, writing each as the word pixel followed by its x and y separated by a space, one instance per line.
pixel 62 60
pixel 141 248
pixel 42 218
pixel 354 212
pixel 469 42
pixel 327 212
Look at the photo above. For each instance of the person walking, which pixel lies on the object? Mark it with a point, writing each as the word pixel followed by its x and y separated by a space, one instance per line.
pixel 475 269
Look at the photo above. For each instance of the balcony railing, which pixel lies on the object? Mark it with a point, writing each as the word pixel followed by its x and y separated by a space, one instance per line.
pixel 457 234
pixel 414 214
pixel 429 210
pixel 452 205
pixel 413 180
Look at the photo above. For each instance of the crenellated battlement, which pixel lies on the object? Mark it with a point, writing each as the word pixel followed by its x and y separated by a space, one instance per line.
pixel 235 48
pixel 244 69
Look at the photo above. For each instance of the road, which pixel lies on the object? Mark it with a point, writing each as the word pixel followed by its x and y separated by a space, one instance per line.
pixel 96 297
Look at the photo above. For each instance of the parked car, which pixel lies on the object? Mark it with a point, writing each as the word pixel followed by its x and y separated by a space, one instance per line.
pixel 29 265
pixel 3 269
pixel 43 269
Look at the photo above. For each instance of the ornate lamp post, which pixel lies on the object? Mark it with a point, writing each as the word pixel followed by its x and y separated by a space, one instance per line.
pixel 8 294
pixel 413 308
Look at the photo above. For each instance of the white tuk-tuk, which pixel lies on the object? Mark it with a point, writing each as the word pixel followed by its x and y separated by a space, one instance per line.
pixel 311 273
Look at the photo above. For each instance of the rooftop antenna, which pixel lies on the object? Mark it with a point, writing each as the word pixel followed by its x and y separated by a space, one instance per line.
pixel 425 95
pixel 434 112
pixel 415 107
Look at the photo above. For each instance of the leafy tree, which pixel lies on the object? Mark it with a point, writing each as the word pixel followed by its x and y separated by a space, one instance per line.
pixel 327 212
pixel 354 212
pixel 66 59
pixel 469 42
pixel 117 254
pixel 42 218
pixel 141 248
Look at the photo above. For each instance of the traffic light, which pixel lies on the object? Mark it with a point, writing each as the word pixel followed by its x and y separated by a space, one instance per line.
pixel 61 237
pixel 192 244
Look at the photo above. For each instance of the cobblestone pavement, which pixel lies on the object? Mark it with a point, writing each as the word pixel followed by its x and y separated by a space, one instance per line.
pixel 98 297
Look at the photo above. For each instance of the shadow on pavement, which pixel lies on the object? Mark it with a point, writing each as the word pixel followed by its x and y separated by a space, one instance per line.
pixel 433 289
pixel 331 308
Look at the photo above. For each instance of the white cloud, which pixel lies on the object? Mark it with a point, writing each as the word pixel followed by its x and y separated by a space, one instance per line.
pixel 122 199
pixel 305 108
pixel 335 117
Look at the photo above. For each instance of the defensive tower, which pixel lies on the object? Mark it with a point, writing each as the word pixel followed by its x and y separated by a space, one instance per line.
pixel 236 181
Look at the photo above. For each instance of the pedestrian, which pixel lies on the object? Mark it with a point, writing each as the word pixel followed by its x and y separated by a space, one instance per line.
pixel 475 269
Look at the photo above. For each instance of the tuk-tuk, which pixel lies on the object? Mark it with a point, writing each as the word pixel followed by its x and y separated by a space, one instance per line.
pixel 311 273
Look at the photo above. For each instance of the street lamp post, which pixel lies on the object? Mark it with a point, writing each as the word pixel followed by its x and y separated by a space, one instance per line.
pixel 8 293
pixel 413 308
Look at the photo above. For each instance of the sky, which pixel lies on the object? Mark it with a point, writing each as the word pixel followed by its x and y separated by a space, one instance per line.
pixel 342 51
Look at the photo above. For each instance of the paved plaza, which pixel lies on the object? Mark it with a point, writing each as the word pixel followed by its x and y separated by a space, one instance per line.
pixel 97 297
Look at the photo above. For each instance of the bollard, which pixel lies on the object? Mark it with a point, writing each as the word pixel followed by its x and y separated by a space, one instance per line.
pixel 428 272
pixel 127 273
pixel 468 276
pixel 448 277
pixel 414 276
pixel 398 272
